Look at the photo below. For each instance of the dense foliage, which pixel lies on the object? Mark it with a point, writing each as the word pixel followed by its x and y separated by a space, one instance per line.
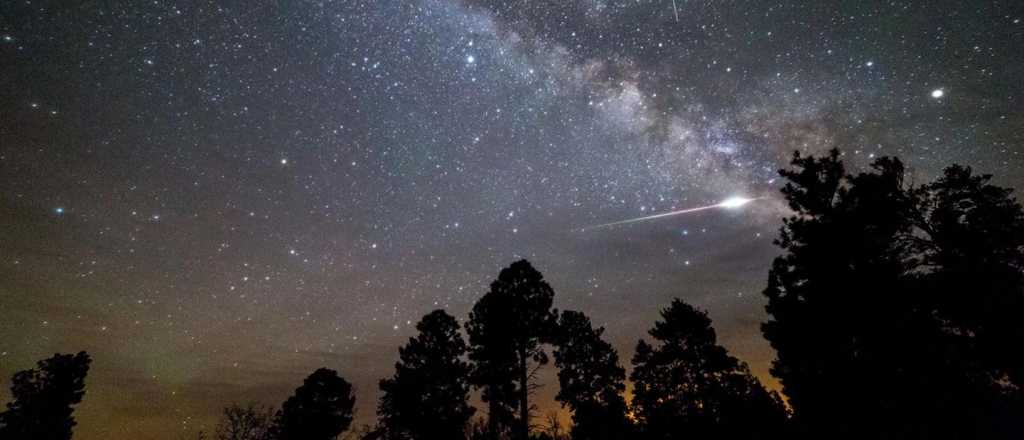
pixel 892 308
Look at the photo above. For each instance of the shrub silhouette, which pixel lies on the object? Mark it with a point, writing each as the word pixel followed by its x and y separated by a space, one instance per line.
pixel 251 422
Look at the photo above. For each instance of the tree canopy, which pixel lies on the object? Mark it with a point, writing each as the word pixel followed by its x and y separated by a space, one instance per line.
pixel 507 328
pixel 688 385
pixel 44 398
pixel 892 303
pixel 427 398
pixel 590 380
pixel 320 409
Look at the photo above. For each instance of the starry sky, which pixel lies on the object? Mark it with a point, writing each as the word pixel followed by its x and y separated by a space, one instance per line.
pixel 216 198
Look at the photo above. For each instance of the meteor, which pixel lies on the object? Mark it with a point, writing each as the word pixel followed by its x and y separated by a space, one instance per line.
pixel 734 202
pixel 729 203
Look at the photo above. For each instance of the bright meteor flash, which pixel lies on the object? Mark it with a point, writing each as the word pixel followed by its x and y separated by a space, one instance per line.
pixel 734 202
pixel 729 203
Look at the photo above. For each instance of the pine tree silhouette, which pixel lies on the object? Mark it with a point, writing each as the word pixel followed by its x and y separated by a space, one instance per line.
pixel 688 386
pixel 975 244
pixel 590 380
pixel 44 399
pixel 890 308
pixel 320 409
pixel 426 399
pixel 507 328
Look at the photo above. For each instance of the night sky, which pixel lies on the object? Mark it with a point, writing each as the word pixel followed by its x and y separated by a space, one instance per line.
pixel 215 198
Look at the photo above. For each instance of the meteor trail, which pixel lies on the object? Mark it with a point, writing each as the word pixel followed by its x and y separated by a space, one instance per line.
pixel 730 203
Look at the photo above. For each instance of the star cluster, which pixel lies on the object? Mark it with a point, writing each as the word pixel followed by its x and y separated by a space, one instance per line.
pixel 214 198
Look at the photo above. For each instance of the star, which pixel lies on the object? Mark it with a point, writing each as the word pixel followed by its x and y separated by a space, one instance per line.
pixel 365 156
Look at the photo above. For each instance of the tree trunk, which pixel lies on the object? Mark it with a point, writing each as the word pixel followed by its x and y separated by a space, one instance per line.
pixel 492 420
pixel 524 406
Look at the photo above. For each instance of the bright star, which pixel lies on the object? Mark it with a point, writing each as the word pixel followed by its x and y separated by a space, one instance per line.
pixel 938 93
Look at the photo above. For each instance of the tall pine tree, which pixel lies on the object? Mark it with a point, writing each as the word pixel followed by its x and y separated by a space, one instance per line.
pixel 427 398
pixel 590 380
pixel 507 328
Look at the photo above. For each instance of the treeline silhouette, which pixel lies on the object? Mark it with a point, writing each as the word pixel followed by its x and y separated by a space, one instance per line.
pixel 895 311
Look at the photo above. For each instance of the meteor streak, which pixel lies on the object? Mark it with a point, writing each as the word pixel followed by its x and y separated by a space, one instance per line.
pixel 730 203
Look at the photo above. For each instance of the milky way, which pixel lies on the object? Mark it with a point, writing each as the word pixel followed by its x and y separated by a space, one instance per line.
pixel 214 199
